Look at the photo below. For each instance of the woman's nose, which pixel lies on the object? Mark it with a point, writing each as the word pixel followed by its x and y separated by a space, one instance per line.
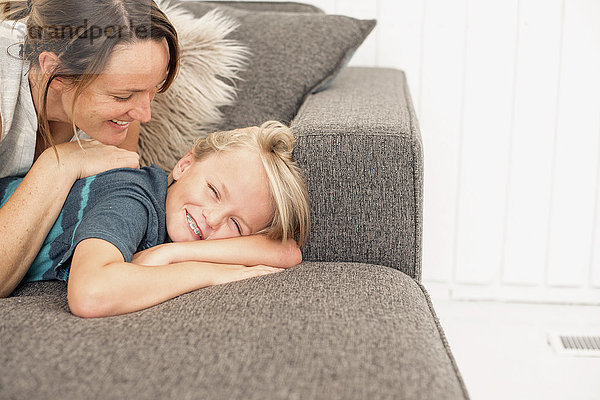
pixel 141 111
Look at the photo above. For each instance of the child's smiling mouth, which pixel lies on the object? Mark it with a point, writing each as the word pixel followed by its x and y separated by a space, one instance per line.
pixel 193 225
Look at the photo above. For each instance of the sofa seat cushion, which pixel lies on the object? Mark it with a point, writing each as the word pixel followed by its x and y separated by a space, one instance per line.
pixel 316 331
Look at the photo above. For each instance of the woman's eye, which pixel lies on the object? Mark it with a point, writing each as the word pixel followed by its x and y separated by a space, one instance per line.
pixel 237 226
pixel 122 98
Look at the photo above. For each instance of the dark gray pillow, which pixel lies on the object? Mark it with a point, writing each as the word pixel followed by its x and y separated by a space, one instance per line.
pixel 292 55
pixel 285 6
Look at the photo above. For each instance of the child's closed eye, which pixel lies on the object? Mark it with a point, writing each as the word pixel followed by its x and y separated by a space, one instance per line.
pixel 237 225
pixel 218 197
pixel 215 192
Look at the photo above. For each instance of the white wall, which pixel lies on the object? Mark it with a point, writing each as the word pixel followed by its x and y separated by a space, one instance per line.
pixel 508 97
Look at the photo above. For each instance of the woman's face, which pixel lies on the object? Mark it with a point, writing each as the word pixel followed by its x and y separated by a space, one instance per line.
pixel 122 93
pixel 224 195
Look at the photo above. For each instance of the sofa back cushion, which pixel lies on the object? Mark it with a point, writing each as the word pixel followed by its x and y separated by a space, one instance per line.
pixel 190 107
pixel 274 6
pixel 244 63
pixel 292 54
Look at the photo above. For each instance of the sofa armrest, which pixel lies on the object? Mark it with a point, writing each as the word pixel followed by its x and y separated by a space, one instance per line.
pixel 360 146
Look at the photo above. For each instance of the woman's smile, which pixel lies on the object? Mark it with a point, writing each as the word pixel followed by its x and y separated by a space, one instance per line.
pixel 119 124
pixel 120 95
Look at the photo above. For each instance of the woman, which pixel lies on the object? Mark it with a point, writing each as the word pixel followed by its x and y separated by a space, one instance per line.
pixel 74 65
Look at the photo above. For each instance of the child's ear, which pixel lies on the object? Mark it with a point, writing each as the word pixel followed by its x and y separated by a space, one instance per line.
pixel 182 165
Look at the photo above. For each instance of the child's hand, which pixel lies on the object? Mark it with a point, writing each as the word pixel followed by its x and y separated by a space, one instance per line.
pixel 154 256
pixel 230 273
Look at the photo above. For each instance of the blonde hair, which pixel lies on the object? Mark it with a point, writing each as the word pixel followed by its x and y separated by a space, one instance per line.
pixel 83 34
pixel 274 142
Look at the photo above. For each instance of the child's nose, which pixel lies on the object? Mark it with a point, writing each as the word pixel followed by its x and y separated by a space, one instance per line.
pixel 214 217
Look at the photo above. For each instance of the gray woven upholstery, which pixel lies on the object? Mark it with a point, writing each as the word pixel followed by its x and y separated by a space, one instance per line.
pixel 351 322
pixel 269 6
pixel 360 146
pixel 317 331
pixel 291 54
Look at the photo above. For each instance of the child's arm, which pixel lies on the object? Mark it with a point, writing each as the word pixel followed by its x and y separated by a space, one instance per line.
pixel 102 284
pixel 244 250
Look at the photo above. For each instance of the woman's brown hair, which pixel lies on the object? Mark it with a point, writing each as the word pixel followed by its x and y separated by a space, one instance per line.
pixel 83 34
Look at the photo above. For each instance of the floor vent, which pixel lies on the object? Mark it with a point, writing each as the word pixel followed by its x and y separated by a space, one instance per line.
pixel 575 345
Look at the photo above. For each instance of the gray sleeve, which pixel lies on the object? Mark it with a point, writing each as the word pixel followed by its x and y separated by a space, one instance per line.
pixel 121 220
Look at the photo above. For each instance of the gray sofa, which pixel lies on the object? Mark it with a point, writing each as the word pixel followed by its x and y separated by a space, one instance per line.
pixel 353 321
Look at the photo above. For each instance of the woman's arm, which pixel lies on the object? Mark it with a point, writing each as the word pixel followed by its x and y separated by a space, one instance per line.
pixel 28 215
pixel 244 250
pixel 102 284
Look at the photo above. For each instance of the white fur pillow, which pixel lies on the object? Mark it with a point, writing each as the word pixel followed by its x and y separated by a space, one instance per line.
pixel 190 107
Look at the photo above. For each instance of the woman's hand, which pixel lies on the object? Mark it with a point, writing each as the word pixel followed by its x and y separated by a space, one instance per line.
pixel 91 158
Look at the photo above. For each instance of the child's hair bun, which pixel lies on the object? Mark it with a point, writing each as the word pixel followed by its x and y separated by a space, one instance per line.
pixel 277 138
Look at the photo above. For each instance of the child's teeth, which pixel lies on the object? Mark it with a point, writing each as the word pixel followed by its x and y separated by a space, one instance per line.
pixel 193 225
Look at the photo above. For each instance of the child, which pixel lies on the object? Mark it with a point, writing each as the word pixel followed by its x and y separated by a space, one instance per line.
pixel 240 186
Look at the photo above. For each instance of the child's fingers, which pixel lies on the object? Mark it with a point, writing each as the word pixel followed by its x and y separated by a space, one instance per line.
pixel 264 270
pixel 260 270
pixel 240 272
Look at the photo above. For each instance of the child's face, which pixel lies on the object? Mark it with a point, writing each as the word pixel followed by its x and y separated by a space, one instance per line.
pixel 224 195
